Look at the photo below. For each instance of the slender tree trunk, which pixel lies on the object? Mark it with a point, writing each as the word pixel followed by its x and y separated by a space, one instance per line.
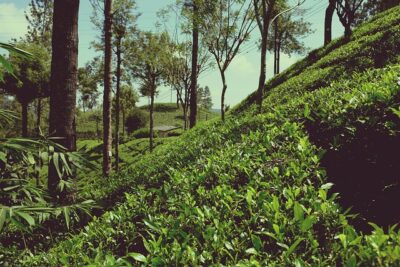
pixel 107 132
pixel 38 115
pixel 224 87
pixel 123 121
pixel 348 31
pixel 24 121
pixel 117 105
pixel 328 21
pixel 276 47
pixel 278 60
pixel 195 53
pixel 152 119
pixel 63 83
pixel 263 69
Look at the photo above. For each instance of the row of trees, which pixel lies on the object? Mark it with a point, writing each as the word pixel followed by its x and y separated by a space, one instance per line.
pixel 352 12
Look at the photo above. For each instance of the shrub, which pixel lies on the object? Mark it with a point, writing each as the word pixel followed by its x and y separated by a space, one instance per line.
pixel 136 119
pixel 143 133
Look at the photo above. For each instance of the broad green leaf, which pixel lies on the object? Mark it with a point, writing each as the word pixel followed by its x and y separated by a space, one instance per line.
pixel 137 257
pixel 28 218
pixel 298 212
pixel 327 186
pixel 257 243
pixel 3 216
pixel 307 223
pixel 293 247
pixel 67 218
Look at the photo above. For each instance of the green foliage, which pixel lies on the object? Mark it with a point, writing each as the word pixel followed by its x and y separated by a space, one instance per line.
pixel 142 133
pixel 136 119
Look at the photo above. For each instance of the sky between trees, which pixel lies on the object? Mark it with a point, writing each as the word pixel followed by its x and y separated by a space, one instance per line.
pixel 242 75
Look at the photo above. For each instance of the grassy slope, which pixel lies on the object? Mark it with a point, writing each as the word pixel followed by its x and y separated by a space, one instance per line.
pixel 250 191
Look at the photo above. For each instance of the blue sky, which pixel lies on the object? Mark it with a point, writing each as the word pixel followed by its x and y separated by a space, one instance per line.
pixel 242 75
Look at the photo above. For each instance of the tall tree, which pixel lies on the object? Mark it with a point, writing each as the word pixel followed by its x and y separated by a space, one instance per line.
pixel 148 60
pixel 39 17
pixel 179 73
pixel 204 101
pixel 63 83
pixel 195 55
pixel 264 14
pixel 88 79
pixel 31 78
pixel 347 10
pixel 124 23
pixel 225 28
pixel 107 95
pixel 286 34
pixel 330 10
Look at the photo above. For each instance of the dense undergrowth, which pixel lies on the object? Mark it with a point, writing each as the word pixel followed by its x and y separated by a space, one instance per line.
pixel 256 190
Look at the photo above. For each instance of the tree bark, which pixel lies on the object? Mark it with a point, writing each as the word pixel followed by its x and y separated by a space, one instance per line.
pixel 107 131
pixel 24 115
pixel 152 119
pixel 330 10
pixel 263 69
pixel 38 115
pixel 276 47
pixel 224 87
pixel 123 120
pixel 63 83
pixel 117 108
pixel 195 53
pixel 278 59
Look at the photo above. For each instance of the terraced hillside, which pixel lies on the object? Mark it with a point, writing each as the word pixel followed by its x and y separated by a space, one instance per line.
pixel 269 189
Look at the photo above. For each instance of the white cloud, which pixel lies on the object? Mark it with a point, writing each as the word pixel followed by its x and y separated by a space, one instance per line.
pixel 12 21
pixel 242 65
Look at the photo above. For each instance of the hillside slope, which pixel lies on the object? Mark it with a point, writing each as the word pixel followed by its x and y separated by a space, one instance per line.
pixel 255 190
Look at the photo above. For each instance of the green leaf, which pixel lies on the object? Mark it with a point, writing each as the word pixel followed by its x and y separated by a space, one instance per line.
pixel 3 216
pixel 66 216
pixel 298 212
pixel 307 223
pixel 327 186
pixel 138 257
pixel 251 251
pixel 28 218
pixel 56 162
pixel 352 262
pixel 257 243
pixel 293 247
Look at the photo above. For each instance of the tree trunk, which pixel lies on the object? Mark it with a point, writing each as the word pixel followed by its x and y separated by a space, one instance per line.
pixel 123 121
pixel 347 31
pixel 107 132
pixel 328 21
pixel 278 59
pixel 263 69
pixel 24 121
pixel 276 46
pixel 152 120
pixel 224 87
pixel 38 115
pixel 63 83
pixel 117 108
pixel 193 85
